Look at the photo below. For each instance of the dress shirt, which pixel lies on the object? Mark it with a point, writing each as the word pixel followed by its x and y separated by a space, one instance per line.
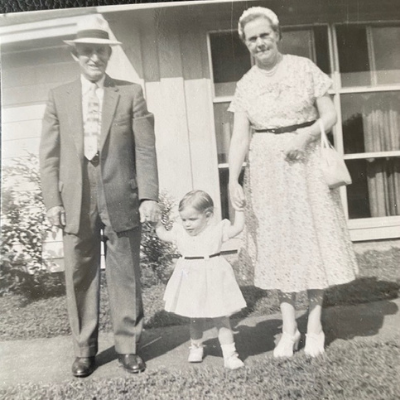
pixel 86 85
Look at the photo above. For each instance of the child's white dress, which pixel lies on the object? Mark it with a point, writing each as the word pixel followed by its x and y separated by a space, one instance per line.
pixel 202 288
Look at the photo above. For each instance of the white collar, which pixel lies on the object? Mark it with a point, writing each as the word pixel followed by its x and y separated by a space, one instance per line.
pixel 86 84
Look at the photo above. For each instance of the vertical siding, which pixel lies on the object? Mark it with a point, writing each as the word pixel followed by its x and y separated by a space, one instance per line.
pixel 174 64
pixel 27 77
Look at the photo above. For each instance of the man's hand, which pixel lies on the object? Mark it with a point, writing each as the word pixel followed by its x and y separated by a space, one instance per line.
pixel 56 216
pixel 149 211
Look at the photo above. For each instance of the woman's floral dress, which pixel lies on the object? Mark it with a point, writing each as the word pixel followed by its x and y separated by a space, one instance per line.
pixel 296 234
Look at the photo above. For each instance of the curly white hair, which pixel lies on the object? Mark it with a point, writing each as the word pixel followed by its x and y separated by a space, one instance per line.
pixel 256 12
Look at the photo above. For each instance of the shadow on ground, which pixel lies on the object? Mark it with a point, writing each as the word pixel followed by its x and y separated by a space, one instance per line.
pixel 362 290
pixel 343 322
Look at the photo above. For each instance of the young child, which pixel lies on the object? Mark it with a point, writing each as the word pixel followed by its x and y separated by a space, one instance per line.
pixel 203 284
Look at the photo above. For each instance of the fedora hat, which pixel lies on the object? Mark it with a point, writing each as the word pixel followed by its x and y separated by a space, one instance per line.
pixel 93 29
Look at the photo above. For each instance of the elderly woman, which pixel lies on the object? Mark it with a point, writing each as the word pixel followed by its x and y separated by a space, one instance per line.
pixel 296 232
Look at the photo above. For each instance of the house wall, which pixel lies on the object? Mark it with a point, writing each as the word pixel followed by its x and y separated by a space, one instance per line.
pixel 164 49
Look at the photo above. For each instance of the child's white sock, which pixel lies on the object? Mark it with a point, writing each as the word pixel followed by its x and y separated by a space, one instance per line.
pixel 231 358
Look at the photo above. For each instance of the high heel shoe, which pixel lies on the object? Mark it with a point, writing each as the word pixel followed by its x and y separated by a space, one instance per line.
pixel 314 344
pixel 287 345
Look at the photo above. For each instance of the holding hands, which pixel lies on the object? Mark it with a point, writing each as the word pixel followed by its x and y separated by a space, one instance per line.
pixel 149 211
pixel 237 196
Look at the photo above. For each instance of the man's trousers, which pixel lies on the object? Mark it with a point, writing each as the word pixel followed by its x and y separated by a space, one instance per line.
pixel 82 273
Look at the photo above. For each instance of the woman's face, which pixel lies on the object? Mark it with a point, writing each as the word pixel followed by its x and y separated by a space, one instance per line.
pixel 262 41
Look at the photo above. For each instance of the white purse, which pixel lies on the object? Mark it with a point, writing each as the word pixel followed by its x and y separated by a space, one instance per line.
pixel 332 164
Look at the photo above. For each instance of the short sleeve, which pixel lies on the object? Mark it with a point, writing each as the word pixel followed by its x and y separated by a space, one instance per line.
pixel 238 101
pixel 225 225
pixel 321 81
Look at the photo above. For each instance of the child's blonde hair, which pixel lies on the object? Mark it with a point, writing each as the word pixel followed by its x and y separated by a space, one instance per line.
pixel 199 200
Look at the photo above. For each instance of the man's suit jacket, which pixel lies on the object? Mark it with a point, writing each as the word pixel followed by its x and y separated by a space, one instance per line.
pixel 127 152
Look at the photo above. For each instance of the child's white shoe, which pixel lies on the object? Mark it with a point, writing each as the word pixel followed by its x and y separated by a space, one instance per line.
pixel 231 357
pixel 233 362
pixel 287 345
pixel 314 344
pixel 196 353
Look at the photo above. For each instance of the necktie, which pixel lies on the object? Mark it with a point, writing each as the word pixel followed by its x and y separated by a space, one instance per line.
pixel 92 124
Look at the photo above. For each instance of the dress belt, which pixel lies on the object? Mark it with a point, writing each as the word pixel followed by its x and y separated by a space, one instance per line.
pixel 200 257
pixel 285 129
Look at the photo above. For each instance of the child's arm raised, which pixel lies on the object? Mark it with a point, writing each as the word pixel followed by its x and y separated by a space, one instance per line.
pixel 163 234
pixel 237 226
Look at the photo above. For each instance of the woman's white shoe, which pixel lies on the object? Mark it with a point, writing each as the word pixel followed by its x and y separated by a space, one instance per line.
pixel 314 344
pixel 287 345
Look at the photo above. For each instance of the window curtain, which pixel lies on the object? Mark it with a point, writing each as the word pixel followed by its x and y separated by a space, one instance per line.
pixel 381 122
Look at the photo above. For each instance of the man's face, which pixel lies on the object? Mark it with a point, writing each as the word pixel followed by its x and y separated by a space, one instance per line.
pixel 92 59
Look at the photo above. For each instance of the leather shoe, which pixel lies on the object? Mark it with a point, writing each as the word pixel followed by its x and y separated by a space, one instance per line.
pixel 132 363
pixel 83 366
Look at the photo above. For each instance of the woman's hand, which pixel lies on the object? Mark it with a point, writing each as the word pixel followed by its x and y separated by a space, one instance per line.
pixel 236 194
pixel 297 147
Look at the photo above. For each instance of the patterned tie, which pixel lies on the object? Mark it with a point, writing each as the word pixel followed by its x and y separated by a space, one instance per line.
pixel 92 124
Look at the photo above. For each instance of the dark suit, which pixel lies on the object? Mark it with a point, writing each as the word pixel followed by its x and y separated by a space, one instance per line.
pixel 102 194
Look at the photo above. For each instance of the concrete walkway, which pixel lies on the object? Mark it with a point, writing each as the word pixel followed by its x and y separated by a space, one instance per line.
pixel 50 360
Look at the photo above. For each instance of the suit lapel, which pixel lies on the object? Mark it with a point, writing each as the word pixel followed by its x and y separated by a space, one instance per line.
pixel 75 114
pixel 110 101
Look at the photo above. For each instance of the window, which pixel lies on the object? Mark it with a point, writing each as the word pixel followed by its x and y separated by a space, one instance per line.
pixel 363 61
pixel 369 66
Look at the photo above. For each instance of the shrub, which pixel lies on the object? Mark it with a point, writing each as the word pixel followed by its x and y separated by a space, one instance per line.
pixel 24 227
pixel 157 256
pixel 23 230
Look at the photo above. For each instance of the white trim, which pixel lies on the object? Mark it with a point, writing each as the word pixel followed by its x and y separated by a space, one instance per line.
pixel 38 25
pixel 371 56
pixel 379 222
pixel 40 29
pixel 226 165
pixel 211 69
pixel 370 233
pixel 222 99
pixel 368 89
pixel 107 9
pixel 378 154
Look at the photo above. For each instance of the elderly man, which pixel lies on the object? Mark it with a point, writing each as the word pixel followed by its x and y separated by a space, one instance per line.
pixel 99 180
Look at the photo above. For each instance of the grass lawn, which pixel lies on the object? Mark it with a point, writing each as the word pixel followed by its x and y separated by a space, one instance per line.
pixel 20 319
pixel 349 370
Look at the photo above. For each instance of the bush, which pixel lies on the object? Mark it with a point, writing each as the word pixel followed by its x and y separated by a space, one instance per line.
pixel 23 230
pixel 157 256
pixel 24 227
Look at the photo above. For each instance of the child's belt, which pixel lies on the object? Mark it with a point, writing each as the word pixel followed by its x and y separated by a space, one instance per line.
pixel 201 257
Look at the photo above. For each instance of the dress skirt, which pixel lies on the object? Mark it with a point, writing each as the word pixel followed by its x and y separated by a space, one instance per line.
pixel 296 233
pixel 203 289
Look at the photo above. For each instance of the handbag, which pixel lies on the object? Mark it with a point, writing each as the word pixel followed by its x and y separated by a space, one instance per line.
pixel 333 166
